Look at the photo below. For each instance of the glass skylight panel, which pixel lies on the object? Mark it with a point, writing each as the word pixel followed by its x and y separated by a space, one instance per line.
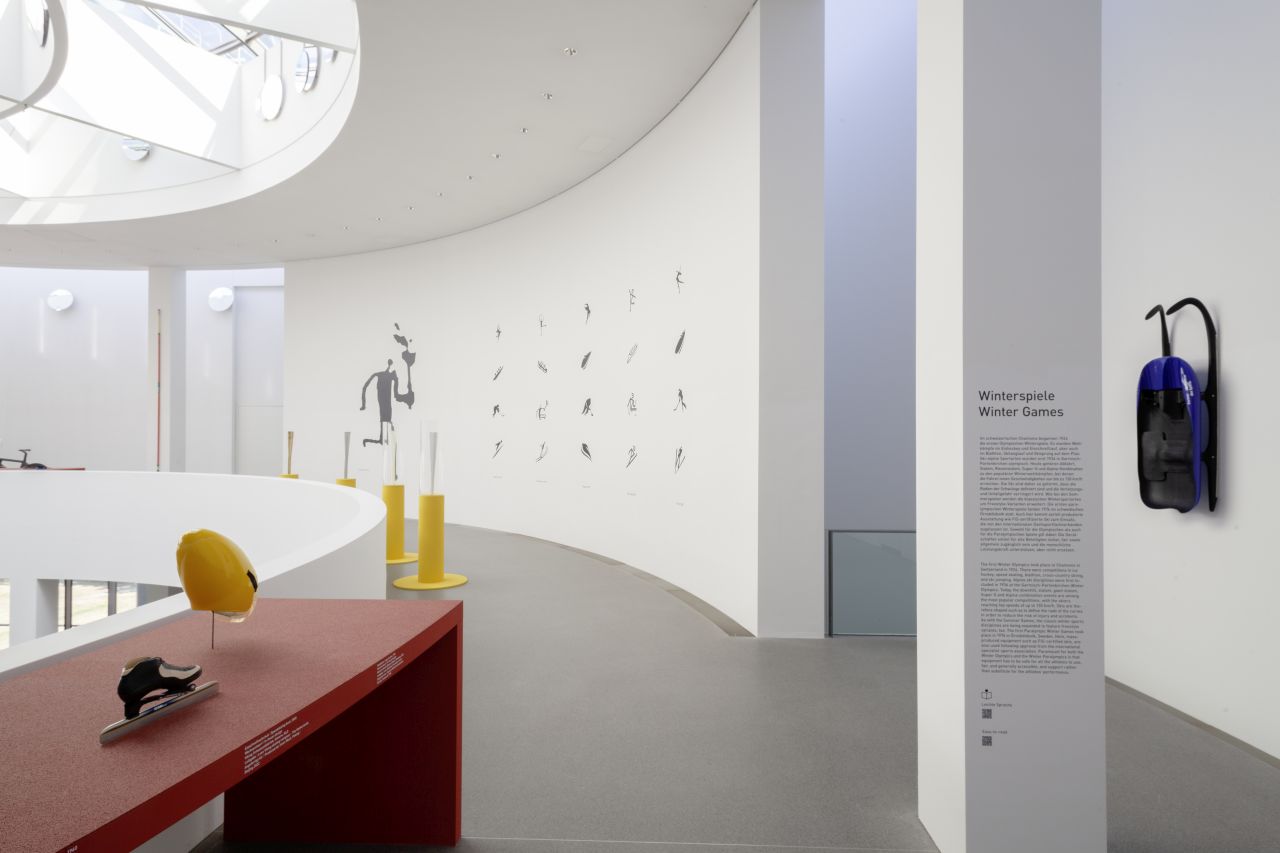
pixel 134 12
pixel 233 43
pixel 206 34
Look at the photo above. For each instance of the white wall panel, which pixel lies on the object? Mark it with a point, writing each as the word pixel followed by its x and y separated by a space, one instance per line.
pixel 259 316
pixel 73 384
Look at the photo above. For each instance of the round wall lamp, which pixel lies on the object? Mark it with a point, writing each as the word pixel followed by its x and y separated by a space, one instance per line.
pixel 135 149
pixel 271 98
pixel 221 298
pixel 60 299
pixel 306 68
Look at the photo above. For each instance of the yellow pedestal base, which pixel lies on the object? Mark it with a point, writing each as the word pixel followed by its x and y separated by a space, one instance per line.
pixel 393 497
pixel 346 481
pixel 289 476
pixel 448 580
pixel 431 573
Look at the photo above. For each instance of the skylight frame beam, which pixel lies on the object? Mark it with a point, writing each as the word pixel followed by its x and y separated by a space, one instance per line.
pixel 339 35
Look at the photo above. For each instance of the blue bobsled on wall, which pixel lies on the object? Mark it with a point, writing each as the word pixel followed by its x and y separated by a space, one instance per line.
pixel 1178 424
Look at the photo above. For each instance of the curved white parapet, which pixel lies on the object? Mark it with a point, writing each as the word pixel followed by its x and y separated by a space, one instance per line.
pixel 305 540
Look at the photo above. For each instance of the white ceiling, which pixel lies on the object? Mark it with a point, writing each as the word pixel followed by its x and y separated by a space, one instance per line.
pixel 444 85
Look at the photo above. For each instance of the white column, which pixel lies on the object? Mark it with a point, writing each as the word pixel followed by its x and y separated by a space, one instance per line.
pixel 33 609
pixel 209 420
pixel 166 317
pixel 1010 657
pixel 792 533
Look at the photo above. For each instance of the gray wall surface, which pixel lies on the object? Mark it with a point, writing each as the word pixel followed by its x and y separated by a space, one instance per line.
pixel 792 547
pixel 1190 182
pixel 870 264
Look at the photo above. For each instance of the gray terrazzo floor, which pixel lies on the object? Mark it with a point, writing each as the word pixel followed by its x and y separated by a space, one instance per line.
pixel 602 712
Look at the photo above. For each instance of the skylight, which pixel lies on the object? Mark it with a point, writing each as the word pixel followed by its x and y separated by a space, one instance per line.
pixel 233 43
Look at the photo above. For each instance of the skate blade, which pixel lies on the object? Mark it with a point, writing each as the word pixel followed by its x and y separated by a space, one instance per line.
pixel 155 712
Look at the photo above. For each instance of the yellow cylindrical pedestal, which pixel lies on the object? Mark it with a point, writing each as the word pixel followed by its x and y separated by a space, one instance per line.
pixel 346 481
pixel 289 476
pixel 431 573
pixel 393 497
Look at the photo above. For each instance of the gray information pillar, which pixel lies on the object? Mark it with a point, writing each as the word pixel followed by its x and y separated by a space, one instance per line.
pixel 1010 656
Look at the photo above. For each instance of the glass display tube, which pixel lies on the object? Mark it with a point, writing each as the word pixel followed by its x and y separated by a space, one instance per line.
pixel 427 461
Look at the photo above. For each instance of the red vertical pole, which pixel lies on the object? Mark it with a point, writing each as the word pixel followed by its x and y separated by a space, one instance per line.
pixel 159 357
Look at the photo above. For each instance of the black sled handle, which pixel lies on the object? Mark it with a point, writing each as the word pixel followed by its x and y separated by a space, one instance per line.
pixel 1210 394
pixel 1164 330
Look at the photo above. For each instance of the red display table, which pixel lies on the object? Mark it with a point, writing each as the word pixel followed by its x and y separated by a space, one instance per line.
pixel 335 721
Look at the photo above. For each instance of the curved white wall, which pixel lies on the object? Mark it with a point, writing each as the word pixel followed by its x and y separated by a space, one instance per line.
pixel 687 198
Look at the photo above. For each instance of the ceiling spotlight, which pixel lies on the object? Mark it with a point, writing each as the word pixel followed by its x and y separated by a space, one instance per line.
pixel 378 218
pixel 524 130
pixel 546 96
pixel 221 298
pixel 438 195
pixel 411 207
pixel 135 149
pixel 60 300
pixel 471 177
pixel 570 51
pixel 497 156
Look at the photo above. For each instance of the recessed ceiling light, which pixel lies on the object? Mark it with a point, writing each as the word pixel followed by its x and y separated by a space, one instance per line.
pixel 439 195
pixel 497 156
pixel 570 51
pixel 471 177
pixel 379 218
pixel 524 130
pixel 547 96
pixel 411 207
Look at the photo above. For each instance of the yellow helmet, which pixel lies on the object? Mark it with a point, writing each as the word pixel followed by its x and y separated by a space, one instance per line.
pixel 216 575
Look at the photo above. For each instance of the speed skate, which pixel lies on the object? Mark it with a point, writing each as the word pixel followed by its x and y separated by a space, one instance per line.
pixel 152 688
